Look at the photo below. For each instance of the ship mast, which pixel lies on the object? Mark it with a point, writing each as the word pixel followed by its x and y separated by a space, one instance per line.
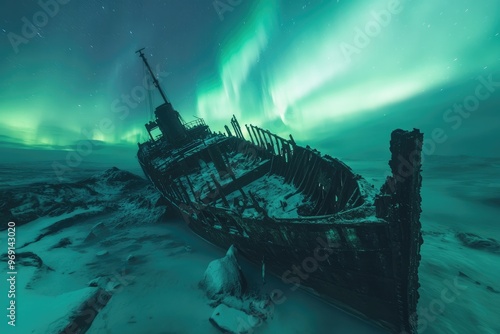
pixel 155 81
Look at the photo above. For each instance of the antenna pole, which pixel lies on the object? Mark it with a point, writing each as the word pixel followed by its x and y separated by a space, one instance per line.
pixel 155 81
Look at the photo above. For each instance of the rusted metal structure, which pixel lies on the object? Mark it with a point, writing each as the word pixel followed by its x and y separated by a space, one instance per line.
pixel 314 222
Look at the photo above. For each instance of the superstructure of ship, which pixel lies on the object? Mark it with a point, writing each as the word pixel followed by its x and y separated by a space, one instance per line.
pixel 314 222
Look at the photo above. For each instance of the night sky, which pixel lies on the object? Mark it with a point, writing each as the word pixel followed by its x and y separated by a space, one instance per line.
pixel 339 75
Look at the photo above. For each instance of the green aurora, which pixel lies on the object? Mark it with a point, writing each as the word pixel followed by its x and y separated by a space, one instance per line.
pixel 329 72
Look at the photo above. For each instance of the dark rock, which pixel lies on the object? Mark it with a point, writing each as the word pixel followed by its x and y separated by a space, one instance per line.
pixel 26 259
pixel 491 289
pixel 96 282
pixel 62 243
pixel 102 253
pixel 98 232
pixel 133 259
pixel 474 241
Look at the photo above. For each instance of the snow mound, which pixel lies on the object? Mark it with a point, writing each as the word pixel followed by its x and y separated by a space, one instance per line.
pixel 224 277
pixel 236 311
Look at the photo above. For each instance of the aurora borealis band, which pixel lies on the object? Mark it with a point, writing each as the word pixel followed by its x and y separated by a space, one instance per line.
pixel 341 74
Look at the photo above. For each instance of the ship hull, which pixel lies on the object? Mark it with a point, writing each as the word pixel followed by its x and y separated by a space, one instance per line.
pixel 303 256
pixel 366 264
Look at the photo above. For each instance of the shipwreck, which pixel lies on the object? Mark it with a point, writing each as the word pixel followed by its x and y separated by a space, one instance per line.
pixel 312 220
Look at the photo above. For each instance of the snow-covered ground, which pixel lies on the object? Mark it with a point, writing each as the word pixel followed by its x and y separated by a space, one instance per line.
pixel 118 233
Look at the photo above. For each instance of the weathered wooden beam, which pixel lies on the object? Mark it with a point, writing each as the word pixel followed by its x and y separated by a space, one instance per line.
pixel 287 157
pixel 310 166
pixel 219 190
pixel 196 195
pixel 256 204
pixel 263 143
pixel 315 190
pixel 257 138
pixel 404 213
pixel 250 133
pixel 82 318
pixel 298 156
pixel 270 140
pixel 237 128
pixel 300 171
pixel 323 206
pixel 218 160
pixel 278 147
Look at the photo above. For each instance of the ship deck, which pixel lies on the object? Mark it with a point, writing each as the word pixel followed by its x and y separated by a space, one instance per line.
pixel 270 192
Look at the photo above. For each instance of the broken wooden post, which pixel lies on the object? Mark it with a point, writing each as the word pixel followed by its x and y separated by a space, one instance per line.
pixel 219 190
pixel 82 318
pixel 256 204
pixel 250 133
pixel 400 203
pixel 218 160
